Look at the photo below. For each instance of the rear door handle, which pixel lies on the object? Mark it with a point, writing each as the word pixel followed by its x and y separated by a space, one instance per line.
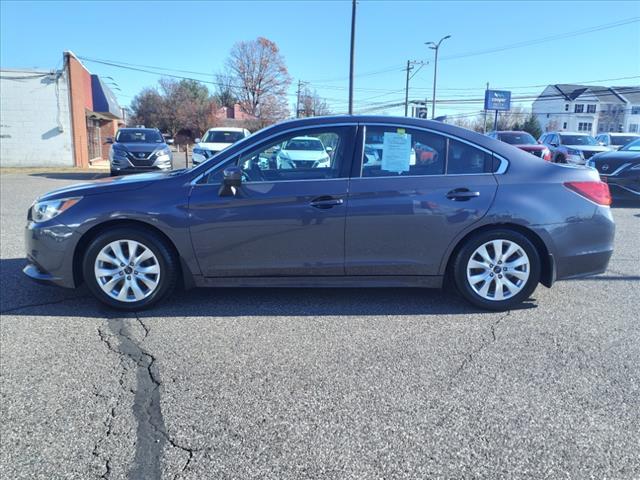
pixel 462 194
pixel 326 202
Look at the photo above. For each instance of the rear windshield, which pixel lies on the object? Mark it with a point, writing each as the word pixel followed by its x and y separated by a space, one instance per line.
pixel 578 140
pixel 622 139
pixel 219 136
pixel 633 146
pixel 138 136
pixel 517 138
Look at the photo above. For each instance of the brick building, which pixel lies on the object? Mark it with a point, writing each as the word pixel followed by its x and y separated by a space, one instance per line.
pixel 55 118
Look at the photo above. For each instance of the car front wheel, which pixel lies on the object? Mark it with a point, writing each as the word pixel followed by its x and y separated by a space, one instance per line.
pixel 498 269
pixel 130 268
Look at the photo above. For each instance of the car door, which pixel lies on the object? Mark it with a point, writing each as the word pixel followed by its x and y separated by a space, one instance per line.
pixel 280 221
pixel 405 209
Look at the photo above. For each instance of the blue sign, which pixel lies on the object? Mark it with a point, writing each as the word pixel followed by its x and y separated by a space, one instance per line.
pixel 497 100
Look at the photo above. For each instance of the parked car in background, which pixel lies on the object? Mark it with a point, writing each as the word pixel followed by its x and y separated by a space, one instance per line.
pixel 616 140
pixel 303 152
pixel 215 140
pixel 168 139
pixel 571 147
pixel 137 150
pixel 473 213
pixel 522 140
pixel 620 169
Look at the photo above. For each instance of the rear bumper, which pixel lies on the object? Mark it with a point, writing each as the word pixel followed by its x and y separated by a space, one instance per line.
pixel 581 248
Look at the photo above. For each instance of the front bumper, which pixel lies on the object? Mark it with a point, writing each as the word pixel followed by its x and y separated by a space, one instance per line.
pixel 624 186
pixel 49 250
pixel 124 165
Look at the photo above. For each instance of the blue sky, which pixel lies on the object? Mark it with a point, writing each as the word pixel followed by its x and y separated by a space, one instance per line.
pixel 314 39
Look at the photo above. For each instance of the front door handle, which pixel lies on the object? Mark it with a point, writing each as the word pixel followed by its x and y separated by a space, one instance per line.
pixel 462 194
pixel 326 202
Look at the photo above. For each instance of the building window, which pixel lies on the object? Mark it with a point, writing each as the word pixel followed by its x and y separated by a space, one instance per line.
pixel 564 125
pixel 566 107
pixel 579 108
pixel 633 127
pixel 584 126
pixel 635 110
pixel 591 109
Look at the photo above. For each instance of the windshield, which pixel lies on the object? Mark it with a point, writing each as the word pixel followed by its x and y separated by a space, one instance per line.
pixel 632 147
pixel 138 136
pixel 517 138
pixel 304 144
pixel 622 139
pixel 578 140
pixel 219 136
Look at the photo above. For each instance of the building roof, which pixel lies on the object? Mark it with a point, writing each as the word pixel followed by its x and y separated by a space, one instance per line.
pixel 570 92
pixel 632 94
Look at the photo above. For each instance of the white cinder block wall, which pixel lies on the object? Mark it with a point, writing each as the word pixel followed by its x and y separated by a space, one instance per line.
pixel 35 123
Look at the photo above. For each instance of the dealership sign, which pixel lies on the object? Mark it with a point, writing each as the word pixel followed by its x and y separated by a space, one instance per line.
pixel 497 100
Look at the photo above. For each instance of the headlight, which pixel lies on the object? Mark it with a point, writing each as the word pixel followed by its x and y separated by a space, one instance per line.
pixel 117 152
pixel 163 151
pixel 43 211
pixel 198 151
pixel 591 163
pixel 572 151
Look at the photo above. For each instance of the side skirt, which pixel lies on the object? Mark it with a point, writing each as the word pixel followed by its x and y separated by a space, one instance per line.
pixel 421 281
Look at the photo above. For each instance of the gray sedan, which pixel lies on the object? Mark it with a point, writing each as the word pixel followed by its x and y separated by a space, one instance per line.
pixel 439 202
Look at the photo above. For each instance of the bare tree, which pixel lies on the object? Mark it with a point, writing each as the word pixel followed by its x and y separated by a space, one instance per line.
pixel 312 105
pixel 260 77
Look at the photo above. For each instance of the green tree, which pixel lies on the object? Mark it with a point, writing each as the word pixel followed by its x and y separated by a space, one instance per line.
pixel 532 126
pixel 147 108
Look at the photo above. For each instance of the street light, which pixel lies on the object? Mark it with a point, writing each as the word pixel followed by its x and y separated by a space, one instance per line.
pixel 435 46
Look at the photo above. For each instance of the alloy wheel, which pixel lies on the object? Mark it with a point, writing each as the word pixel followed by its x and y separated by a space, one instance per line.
pixel 127 270
pixel 498 270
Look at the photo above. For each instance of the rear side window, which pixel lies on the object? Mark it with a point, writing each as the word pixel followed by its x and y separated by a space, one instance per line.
pixel 396 151
pixel 466 159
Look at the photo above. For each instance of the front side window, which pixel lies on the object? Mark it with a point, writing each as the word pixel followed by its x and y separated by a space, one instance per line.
pixel 303 155
pixel 397 151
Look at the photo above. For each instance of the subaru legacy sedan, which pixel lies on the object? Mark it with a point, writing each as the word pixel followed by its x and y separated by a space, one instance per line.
pixel 476 211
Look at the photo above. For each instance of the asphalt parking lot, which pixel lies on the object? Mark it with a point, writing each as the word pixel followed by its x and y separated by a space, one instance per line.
pixel 329 383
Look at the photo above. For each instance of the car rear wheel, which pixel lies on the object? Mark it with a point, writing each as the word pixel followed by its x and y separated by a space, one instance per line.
pixel 498 269
pixel 130 268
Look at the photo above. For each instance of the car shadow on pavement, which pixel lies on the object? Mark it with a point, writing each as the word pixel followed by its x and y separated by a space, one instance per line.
pixel 21 296
pixel 71 175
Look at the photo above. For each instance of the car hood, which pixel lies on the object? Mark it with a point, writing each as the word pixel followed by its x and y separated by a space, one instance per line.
pixel 214 147
pixel 530 148
pixel 589 148
pixel 141 147
pixel 104 185
pixel 304 154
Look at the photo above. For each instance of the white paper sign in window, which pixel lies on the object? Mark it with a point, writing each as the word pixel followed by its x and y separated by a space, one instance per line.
pixel 396 152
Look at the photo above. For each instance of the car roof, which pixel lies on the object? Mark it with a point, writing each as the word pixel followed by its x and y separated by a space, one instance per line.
pixel 621 134
pixel 510 131
pixel 136 129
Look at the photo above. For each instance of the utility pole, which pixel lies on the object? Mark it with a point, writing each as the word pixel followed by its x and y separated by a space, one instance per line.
pixel 352 55
pixel 298 101
pixel 410 65
pixel 436 47
pixel 484 125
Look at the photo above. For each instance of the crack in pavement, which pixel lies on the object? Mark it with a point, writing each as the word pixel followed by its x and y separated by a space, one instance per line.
pixel 469 359
pixel 43 304
pixel 151 435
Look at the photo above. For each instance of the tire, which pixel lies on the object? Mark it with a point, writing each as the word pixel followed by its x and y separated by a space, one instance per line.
pixel 516 284
pixel 114 173
pixel 143 289
pixel 560 159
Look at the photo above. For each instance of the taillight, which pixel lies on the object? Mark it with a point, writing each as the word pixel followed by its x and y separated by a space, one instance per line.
pixel 546 155
pixel 597 192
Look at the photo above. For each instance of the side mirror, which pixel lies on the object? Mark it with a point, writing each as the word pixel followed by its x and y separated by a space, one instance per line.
pixel 232 179
pixel 109 140
pixel 602 144
pixel 198 140
pixel 554 144
pixel 329 149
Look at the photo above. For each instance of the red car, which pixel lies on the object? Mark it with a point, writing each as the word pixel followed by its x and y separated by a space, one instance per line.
pixel 524 141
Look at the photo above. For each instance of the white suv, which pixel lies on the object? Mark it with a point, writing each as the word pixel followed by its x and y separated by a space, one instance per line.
pixel 616 140
pixel 216 140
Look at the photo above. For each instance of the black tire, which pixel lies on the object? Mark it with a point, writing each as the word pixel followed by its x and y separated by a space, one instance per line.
pixel 114 173
pixel 167 261
pixel 560 159
pixel 463 256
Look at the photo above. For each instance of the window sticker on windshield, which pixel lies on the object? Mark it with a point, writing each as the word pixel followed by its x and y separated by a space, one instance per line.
pixel 396 152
